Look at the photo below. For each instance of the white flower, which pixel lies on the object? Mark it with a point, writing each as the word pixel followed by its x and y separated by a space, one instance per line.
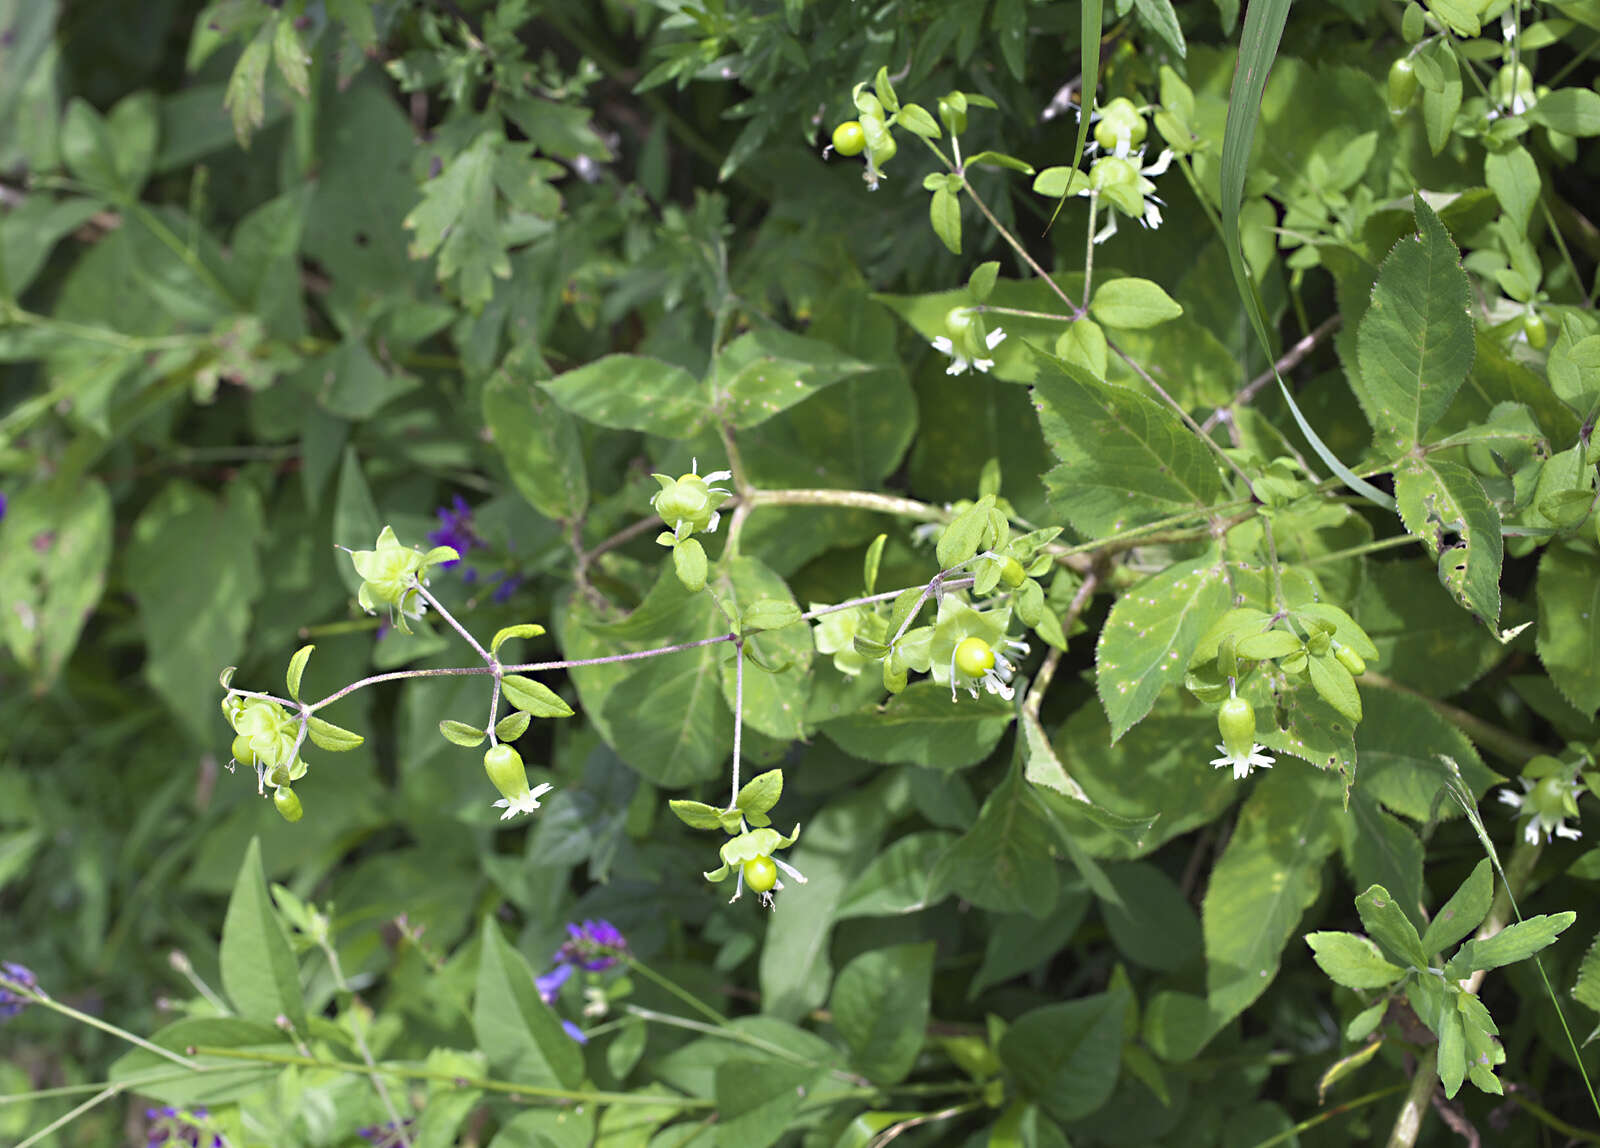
pixel 1124 184
pixel 1551 824
pixel 1243 763
pixel 525 803
pixel 959 363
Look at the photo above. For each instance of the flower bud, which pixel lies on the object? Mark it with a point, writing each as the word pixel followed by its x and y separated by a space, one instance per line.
pixel 288 803
pixel 505 769
pixel 1236 722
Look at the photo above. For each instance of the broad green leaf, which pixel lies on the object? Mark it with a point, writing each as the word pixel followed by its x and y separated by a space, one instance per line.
pixel 1335 686
pixel 1133 304
pixel 1437 498
pixel 533 697
pixel 758 1099
pixel 1067 1056
pixel 1153 925
pixel 775 700
pixel 325 735
pixel 515 1029
pixel 768 614
pixel 963 535
pixel 689 564
pixel 259 972
pixel 1124 459
pixel 1514 178
pixel 765 372
pixel 1005 862
pixel 55 544
pixel 697 814
pixel 1399 740
pixel 922 725
pixel 1150 635
pixel 1572 111
pixel 1385 923
pixel 1353 961
pixel 1017 942
pixel 1267 876
pixel 1586 989
pixel 194 596
pixel 546 1127
pixel 1416 340
pixel 880 1006
pixel 1574 368
pixel 1463 912
pixel 1513 943
pixel 633 392
pixel 760 793
pixel 1042 767
pixel 1380 849
pixel 1569 624
pixel 1160 17
pixel 462 734
pixel 1417 630
pixel 540 445
pixel 899 880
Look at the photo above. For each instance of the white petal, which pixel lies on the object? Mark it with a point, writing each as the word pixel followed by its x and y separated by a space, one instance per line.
pixel 983 364
pixel 995 338
pixel 718 476
pixel 944 346
pixel 1562 830
pixel 789 869
pixel 1510 798
pixel 1163 161
pixel 1531 834
pixel 958 366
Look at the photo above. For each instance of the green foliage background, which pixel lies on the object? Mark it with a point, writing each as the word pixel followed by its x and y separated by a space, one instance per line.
pixel 273 276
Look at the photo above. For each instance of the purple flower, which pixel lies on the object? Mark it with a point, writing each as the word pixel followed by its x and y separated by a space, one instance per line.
pixel 12 1003
pixel 550 984
pixel 574 1032
pixel 386 1135
pixel 175 1127
pixel 2 506
pixel 455 528
pixel 509 583
pixel 593 946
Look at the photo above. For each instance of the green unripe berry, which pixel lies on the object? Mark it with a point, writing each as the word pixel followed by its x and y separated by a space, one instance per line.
pixel 1236 721
pixel 849 138
pixel 243 752
pixel 1402 85
pixel 505 769
pixel 761 874
pixel 1350 660
pixel 1513 86
pixel 1011 572
pixel 288 803
pixel 973 657
pixel 1534 327
pixel 1552 798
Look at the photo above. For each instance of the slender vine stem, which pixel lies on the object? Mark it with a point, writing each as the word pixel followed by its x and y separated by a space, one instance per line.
pixel 1424 1079
pixel 362 1047
pixel 33 996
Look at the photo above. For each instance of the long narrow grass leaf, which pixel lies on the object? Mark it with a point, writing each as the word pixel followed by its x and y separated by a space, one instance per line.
pixel 1089 82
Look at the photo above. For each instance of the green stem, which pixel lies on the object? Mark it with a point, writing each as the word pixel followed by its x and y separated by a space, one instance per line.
pixel 94 1022
pixel 851 499
pixel 676 990
pixel 1337 1110
pixel 1365 548
pixel 1409 1120
pixel 63 1120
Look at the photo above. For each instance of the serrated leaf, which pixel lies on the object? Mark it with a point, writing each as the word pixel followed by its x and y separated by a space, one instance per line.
pixel 533 697
pixel 1352 961
pixel 247 85
pixel 297 668
pixel 1150 635
pixel 457 220
pixel 1569 624
pixel 1438 498
pixel 335 739
pixel 1415 344
pixel 1388 925
pixel 633 392
pixel 1133 304
pixel 462 734
pixel 259 972
pixel 1124 459
pixel 1463 912
pixel 290 55
pixel 1586 989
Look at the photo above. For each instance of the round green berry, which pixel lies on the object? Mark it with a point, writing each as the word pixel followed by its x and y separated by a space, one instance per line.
pixel 849 138
pixel 761 874
pixel 974 658
pixel 288 803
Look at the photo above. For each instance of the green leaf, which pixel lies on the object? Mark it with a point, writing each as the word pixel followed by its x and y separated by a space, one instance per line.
pixel 1124 459
pixel 540 445
pixel 757 1100
pixel 533 697
pixel 1415 343
pixel 457 219
pixel 522 630
pixel 763 373
pixel 1335 686
pixel 1399 741
pixel 697 814
pixel 1152 922
pixel 1133 304
pixel 880 1006
pixel 760 793
pixel 1463 912
pixel 899 880
pixel 689 563
pixel 1511 944
pixel 923 726
pixel 247 85
pixel 1018 942
pixel 1160 18
pixel 944 212
pixel 223 1079
pixel 1441 101
pixel 1266 878
pixel 917 120
pixel 1352 961
pixel 462 734
pixel 1569 624
pixel 1150 635
pixel 1571 111
pixel 1586 989
pixel 768 614
pixel 259 972
pixel 514 1028
pixel 297 667
pixel 1390 927
pixel 1067 1056
pixel 1574 368
pixel 290 54
pixel 55 545
pixel 980 284
pixel 1004 863
pixel 1437 497
pixel 776 697
pixel 512 726
pixel 335 739
pixel 963 536
pixel 633 392
pixel 1514 178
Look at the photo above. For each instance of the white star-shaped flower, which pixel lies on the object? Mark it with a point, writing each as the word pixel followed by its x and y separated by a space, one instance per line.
pixel 526 802
pixel 1243 763
pixel 959 363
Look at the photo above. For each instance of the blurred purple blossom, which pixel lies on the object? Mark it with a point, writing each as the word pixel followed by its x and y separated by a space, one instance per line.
pixel 574 1032
pixel 550 984
pixel 593 945
pixel 178 1126
pixel 386 1135
pixel 12 1003
pixel 455 528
